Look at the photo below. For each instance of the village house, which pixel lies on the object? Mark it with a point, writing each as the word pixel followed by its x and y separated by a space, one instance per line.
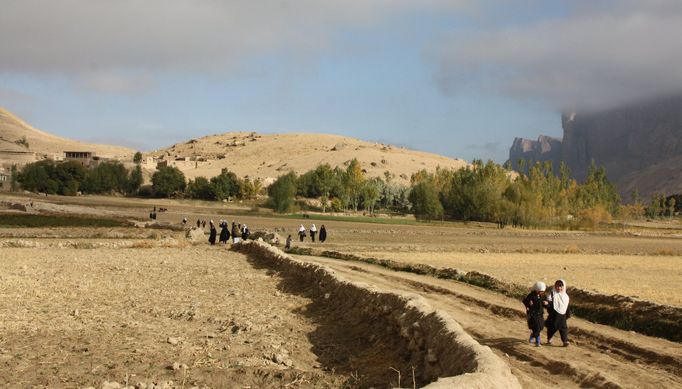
pixel 5 180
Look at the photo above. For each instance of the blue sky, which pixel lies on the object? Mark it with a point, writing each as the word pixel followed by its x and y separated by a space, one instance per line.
pixel 458 78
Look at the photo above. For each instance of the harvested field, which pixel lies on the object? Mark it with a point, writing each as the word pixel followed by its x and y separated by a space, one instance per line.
pixel 652 278
pixel 198 317
pixel 81 306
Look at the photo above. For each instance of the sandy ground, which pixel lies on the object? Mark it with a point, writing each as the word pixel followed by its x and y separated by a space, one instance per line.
pixel 78 317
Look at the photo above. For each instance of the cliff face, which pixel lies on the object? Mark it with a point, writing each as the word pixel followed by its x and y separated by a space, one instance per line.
pixel 544 149
pixel 640 145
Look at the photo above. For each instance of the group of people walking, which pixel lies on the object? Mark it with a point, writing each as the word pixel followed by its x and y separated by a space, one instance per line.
pixel 558 311
pixel 238 232
pixel 313 233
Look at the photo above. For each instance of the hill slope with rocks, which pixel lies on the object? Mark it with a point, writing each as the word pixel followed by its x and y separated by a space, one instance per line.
pixel 22 143
pixel 267 156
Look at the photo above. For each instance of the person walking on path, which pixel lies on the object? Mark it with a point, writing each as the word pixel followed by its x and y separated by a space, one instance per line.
pixel 212 234
pixel 535 303
pixel 245 232
pixel 235 233
pixel 323 234
pixel 224 234
pixel 558 311
pixel 313 232
pixel 287 246
pixel 301 233
pixel 198 223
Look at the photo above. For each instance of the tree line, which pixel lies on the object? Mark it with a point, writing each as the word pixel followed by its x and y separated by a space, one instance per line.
pixel 480 192
pixel 340 189
pixel 71 177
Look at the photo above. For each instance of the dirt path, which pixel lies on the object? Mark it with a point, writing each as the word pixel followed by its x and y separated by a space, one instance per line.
pixel 599 356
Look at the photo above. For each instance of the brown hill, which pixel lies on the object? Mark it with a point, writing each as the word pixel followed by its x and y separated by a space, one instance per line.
pixel 21 143
pixel 269 156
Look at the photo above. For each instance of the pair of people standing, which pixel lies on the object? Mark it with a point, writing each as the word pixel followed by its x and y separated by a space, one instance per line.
pixel 313 233
pixel 557 305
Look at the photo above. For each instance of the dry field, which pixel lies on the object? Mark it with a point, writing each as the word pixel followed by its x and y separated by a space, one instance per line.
pixel 83 306
pixel 197 316
pixel 653 278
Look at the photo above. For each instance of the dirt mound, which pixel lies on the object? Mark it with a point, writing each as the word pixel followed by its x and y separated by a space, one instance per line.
pixel 380 330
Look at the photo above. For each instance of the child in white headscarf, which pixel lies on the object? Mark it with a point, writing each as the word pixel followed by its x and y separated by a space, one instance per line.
pixel 558 311
pixel 534 303
pixel 313 231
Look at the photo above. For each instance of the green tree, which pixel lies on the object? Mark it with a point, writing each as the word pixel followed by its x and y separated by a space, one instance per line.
pixel 353 182
pixel 168 180
pixel 137 158
pixel 225 185
pixel 14 182
pixel 425 202
pixel 282 192
pixel 135 180
pixel 107 177
pixel 246 189
pixel 200 188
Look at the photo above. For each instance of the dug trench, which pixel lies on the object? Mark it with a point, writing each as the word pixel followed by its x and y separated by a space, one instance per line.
pixel 381 338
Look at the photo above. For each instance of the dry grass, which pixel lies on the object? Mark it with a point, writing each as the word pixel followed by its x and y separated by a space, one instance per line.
pixel 652 278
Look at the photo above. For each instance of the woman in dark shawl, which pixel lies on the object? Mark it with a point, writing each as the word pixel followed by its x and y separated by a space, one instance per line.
pixel 212 234
pixel 323 234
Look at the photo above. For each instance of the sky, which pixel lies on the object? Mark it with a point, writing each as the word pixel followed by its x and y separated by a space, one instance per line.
pixel 460 78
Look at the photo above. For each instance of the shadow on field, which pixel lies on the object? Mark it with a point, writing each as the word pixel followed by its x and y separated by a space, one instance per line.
pixel 367 348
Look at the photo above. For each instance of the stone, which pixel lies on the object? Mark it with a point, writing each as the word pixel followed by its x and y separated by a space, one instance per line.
pixel 196 235
pixel 173 340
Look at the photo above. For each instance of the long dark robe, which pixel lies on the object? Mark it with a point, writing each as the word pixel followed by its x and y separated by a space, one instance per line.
pixel 211 236
pixel 224 235
pixel 323 234
pixel 534 313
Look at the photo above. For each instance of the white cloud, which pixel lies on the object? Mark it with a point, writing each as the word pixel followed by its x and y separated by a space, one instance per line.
pixel 600 55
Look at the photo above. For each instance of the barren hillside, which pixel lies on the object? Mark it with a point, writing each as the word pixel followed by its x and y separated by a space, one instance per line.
pixel 269 156
pixel 13 132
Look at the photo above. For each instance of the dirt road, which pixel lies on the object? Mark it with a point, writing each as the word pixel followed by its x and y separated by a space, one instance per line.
pixel 599 356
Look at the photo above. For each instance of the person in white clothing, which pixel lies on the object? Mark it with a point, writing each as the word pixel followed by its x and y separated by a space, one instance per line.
pixel 558 311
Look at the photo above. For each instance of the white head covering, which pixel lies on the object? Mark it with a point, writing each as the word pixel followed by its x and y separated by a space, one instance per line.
pixel 301 228
pixel 539 286
pixel 313 228
pixel 559 299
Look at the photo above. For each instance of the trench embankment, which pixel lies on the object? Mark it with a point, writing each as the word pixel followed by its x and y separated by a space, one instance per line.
pixel 378 332
pixel 621 312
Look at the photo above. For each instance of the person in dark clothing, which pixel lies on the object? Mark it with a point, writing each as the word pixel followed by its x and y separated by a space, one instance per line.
pixel 313 232
pixel 558 310
pixel 198 223
pixel 535 303
pixel 301 233
pixel 323 234
pixel 224 234
pixel 245 232
pixel 287 246
pixel 203 224
pixel 212 234
pixel 235 233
